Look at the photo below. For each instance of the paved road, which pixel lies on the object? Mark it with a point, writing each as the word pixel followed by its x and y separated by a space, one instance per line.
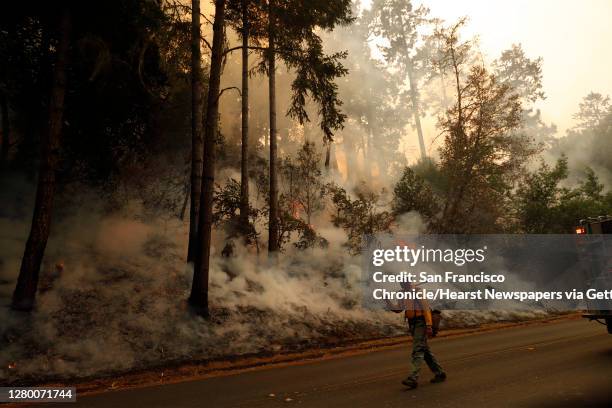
pixel 562 364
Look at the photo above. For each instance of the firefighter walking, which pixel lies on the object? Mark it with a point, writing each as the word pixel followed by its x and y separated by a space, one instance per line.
pixel 418 316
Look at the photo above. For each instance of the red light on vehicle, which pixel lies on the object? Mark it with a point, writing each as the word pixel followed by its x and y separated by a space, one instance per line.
pixel 580 230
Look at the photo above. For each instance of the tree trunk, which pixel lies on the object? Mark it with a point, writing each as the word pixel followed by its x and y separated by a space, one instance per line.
pixel 5 139
pixel 364 156
pixel 199 289
pixel 415 111
pixel 451 202
pixel 368 155
pixel 273 215
pixel 244 165
pixel 27 283
pixel 444 93
pixel 196 129
pixel 184 206
pixel 349 160
pixel 330 157
pixel 334 158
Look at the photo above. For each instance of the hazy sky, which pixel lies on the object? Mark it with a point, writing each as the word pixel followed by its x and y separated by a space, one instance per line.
pixel 573 37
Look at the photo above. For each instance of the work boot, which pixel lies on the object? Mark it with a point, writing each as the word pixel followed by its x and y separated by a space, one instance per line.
pixel 410 383
pixel 438 378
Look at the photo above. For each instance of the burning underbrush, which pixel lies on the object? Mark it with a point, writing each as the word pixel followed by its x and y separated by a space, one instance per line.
pixel 112 307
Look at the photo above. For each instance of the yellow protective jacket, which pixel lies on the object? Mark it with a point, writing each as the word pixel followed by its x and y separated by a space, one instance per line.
pixel 416 308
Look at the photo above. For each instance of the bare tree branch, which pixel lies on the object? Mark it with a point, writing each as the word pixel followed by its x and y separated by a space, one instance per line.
pixel 239 47
pixel 228 89
pixel 206 42
pixel 186 8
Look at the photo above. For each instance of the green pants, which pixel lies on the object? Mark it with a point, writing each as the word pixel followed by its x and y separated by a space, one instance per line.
pixel 420 349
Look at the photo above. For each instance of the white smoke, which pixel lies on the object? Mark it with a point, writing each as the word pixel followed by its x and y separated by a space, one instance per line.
pixel 120 301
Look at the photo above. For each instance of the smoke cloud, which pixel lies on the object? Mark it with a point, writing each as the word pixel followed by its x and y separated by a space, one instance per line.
pixel 119 303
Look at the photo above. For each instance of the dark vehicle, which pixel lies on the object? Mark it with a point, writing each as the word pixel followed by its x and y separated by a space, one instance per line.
pixel 600 269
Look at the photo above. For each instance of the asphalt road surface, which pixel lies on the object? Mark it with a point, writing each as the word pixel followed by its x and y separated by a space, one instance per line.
pixel 561 364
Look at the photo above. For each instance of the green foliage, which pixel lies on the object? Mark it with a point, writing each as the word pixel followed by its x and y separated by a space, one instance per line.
pixel 592 109
pixel 302 195
pixel 539 204
pixel 359 216
pixel 524 76
pixel 430 172
pixel 590 187
pixel 544 206
pixel 227 209
pixel 315 75
pixel 521 73
pixel 290 224
pixel 412 193
pixel 258 172
pixel 303 192
pixel 538 197
pixel 297 27
pixel 481 155
pixel 302 179
pixel 308 238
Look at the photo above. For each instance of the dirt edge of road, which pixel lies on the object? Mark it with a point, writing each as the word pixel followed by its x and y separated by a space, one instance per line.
pixel 204 369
